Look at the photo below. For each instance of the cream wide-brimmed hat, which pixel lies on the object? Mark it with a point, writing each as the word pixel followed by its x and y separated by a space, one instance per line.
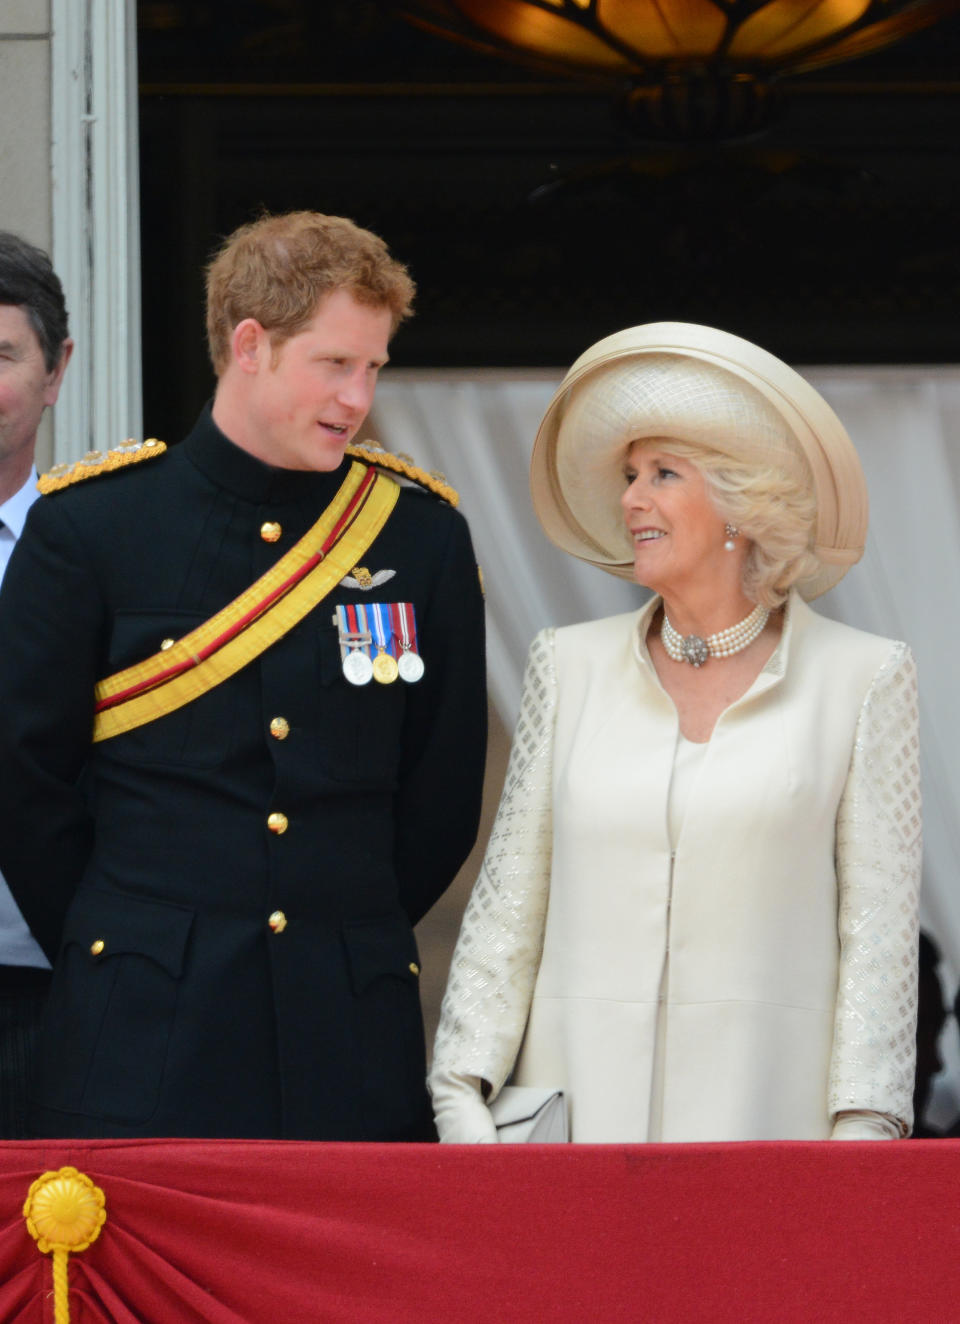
pixel 676 379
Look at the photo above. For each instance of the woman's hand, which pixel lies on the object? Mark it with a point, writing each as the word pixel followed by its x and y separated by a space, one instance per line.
pixel 864 1125
pixel 461 1115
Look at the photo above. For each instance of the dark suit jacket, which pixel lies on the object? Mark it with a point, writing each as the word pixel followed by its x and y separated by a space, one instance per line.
pixel 196 1018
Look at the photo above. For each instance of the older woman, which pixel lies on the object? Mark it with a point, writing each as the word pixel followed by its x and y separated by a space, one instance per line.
pixel 697 914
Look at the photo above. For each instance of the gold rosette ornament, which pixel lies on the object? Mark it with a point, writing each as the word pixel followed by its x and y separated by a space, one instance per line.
pixel 64 1212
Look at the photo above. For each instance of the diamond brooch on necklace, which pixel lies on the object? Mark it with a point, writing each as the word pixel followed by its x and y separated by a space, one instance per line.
pixel 695 650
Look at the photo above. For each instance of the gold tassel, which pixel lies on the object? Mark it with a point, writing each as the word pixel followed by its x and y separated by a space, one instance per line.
pixel 64 1213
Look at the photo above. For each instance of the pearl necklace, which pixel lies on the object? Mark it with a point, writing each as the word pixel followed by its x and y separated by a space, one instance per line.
pixel 691 648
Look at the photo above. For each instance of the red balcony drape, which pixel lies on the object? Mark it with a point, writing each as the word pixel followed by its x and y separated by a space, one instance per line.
pixel 219 1232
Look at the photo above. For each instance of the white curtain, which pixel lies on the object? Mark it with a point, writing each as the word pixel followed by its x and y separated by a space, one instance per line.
pixel 478 427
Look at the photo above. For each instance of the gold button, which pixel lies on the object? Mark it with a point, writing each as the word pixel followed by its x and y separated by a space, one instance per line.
pixel 279 728
pixel 413 968
pixel 277 823
pixel 270 531
pixel 96 948
pixel 277 921
pixel 166 643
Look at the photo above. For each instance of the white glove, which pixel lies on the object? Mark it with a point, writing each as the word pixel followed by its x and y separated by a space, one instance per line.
pixel 865 1125
pixel 461 1115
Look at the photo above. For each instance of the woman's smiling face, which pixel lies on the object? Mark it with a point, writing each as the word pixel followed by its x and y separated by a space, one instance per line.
pixel 676 530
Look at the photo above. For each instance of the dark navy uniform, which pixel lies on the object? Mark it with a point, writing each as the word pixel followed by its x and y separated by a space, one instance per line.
pixel 230 889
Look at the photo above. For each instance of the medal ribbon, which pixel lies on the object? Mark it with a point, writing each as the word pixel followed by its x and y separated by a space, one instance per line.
pixel 353 639
pixel 387 628
pixel 404 624
pixel 382 631
pixel 359 614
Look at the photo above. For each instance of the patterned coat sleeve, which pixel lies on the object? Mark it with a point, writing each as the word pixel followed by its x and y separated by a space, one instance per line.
pixel 878 850
pixel 497 955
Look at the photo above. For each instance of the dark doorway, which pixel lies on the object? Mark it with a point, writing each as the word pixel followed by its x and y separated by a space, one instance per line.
pixel 532 219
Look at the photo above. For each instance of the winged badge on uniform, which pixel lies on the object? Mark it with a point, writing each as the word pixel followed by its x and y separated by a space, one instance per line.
pixel 361 578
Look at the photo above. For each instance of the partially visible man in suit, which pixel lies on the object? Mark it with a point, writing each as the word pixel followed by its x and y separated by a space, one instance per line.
pixel 34 351
pixel 243 749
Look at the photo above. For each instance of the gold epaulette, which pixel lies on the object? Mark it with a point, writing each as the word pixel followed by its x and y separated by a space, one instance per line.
pixel 95 463
pixel 434 481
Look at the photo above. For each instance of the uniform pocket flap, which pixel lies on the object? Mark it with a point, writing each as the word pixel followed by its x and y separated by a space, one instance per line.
pixel 110 924
pixel 376 948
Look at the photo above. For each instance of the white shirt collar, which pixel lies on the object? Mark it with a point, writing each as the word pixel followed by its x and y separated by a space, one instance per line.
pixel 13 511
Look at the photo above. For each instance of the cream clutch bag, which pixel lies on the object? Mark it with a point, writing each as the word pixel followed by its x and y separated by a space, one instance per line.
pixel 530 1114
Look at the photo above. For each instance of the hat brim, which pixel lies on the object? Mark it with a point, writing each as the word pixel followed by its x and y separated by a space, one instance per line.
pixel 840 485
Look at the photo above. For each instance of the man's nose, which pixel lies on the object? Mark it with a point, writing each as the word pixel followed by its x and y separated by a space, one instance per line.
pixel 356 390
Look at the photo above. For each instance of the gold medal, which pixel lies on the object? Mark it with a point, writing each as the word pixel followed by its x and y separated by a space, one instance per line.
pixel 385 668
pixel 384 664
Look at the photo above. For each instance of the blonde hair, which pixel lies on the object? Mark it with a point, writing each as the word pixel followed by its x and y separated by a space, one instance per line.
pixel 277 269
pixel 772 505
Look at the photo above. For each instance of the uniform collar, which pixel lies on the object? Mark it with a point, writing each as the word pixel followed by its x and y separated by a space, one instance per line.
pixel 233 468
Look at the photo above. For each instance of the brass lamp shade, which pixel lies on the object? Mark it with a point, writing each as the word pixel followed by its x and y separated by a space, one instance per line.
pixel 649 38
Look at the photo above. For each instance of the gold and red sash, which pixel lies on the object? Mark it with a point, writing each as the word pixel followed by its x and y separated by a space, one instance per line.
pixel 261 615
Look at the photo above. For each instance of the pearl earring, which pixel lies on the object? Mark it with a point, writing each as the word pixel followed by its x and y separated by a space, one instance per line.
pixel 731 531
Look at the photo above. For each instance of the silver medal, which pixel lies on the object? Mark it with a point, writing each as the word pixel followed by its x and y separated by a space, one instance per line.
pixel 410 666
pixel 357 667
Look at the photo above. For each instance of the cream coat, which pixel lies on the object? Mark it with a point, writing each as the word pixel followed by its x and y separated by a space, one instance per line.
pixel 789 911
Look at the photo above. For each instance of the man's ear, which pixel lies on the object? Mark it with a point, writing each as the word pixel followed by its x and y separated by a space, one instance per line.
pixel 55 378
pixel 250 345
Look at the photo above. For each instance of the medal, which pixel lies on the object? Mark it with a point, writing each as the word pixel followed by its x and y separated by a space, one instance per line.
pixel 410 663
pixel 389 628
pixel 355 640
pixel 384 665
pixel 384 669
pixel 410 666
pixel 357 667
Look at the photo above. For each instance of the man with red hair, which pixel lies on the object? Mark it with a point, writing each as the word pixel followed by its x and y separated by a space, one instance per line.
pixel 279 652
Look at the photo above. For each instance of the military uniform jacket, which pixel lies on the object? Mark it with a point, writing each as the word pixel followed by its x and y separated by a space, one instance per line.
pixel 144 863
